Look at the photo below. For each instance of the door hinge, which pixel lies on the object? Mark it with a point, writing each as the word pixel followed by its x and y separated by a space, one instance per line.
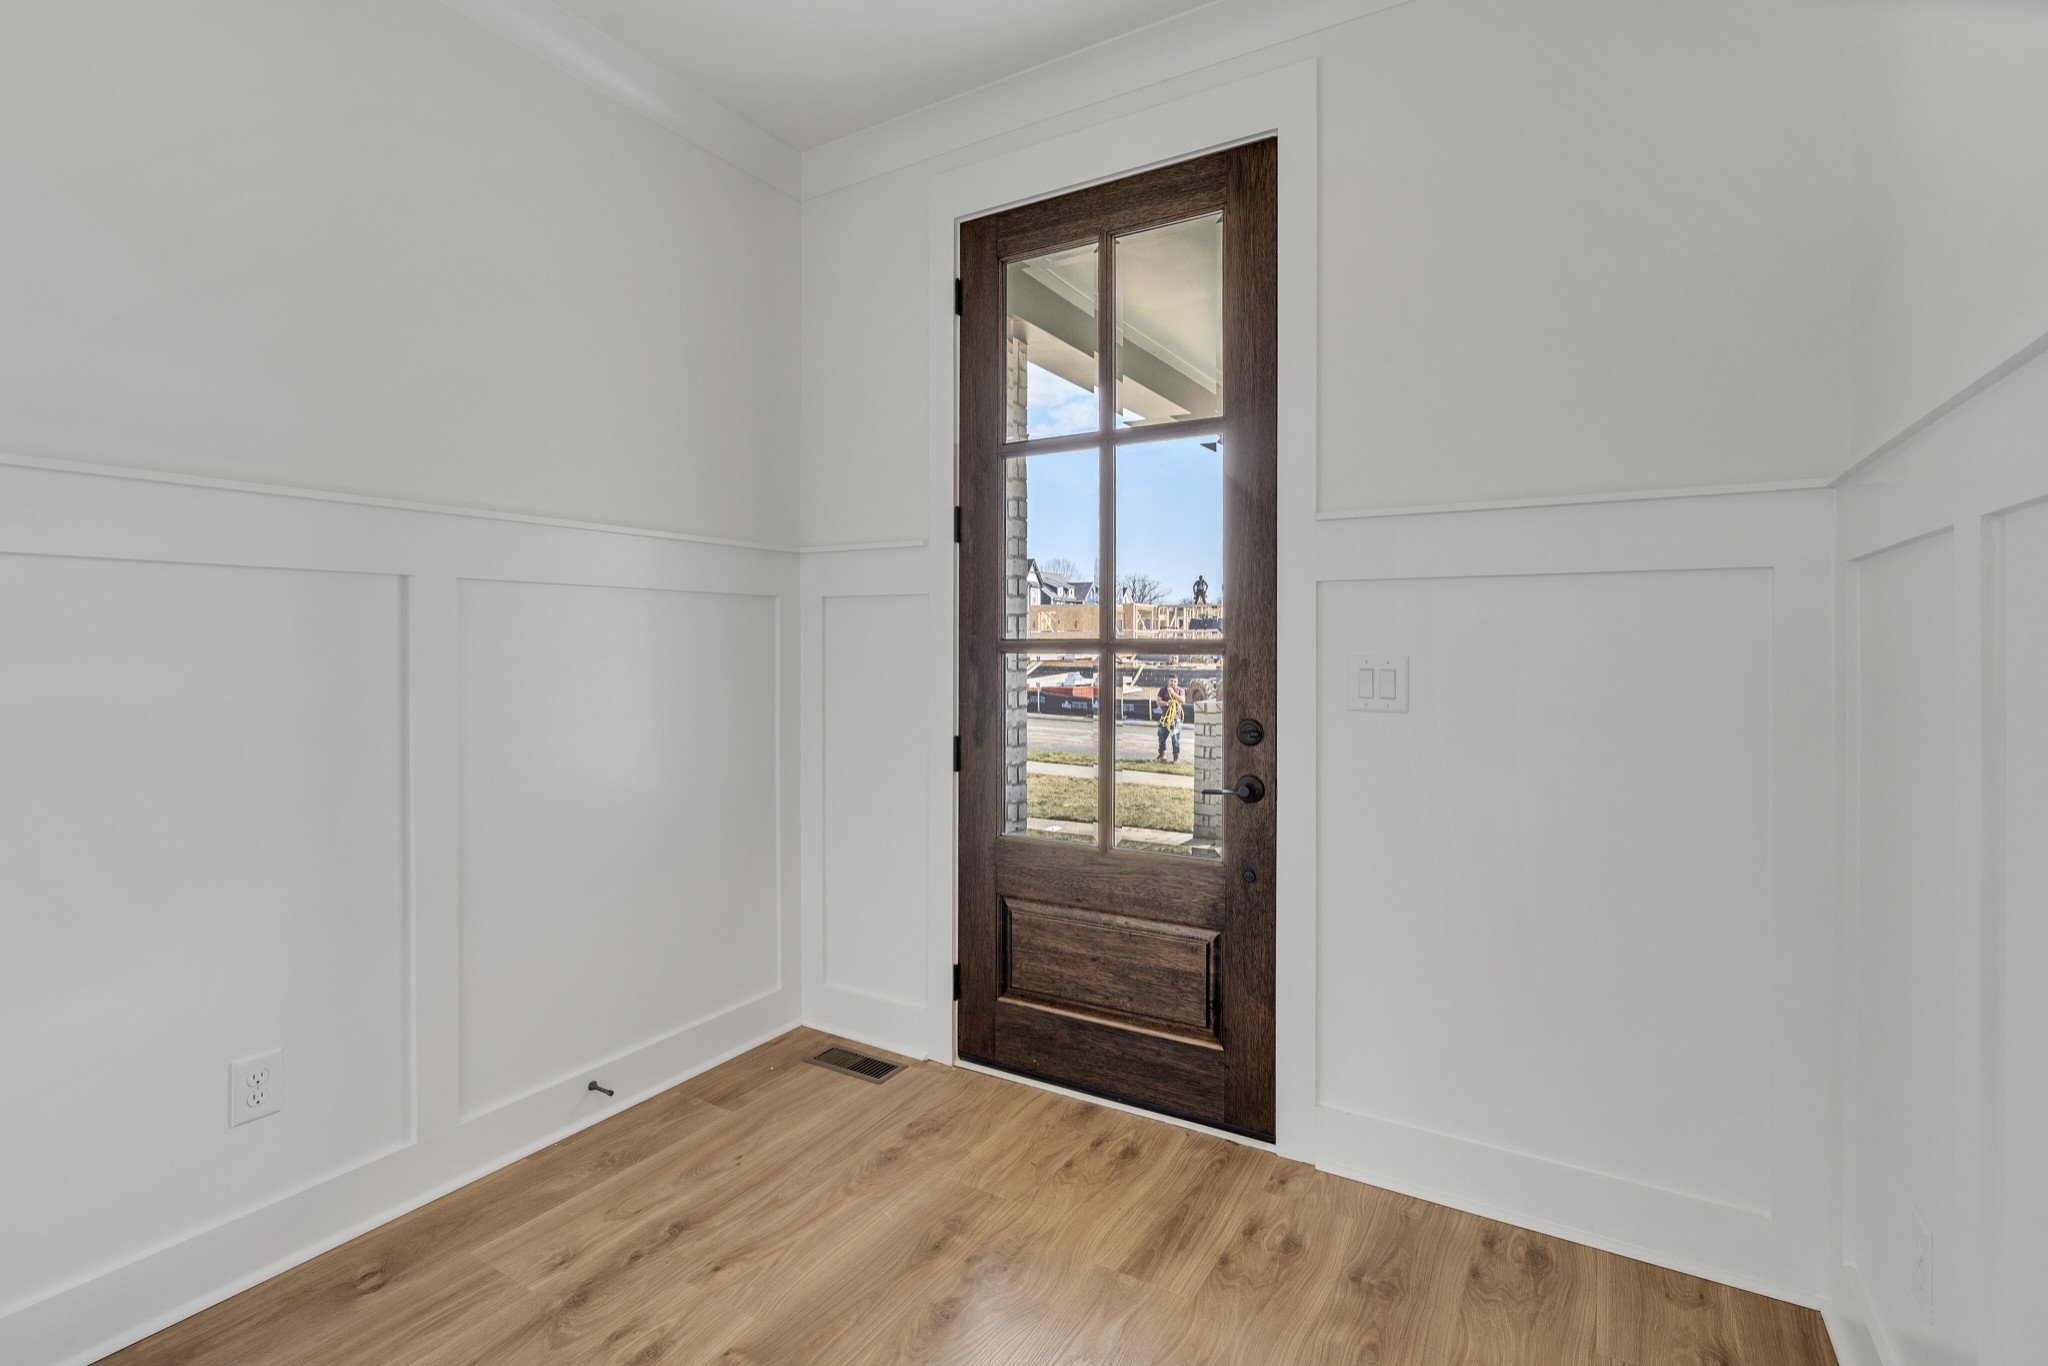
pixel 957 521
pixel 956 754
pixel 959 298
pixel 956 981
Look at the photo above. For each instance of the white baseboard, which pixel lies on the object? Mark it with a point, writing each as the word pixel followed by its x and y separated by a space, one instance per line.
pixel 1555 1228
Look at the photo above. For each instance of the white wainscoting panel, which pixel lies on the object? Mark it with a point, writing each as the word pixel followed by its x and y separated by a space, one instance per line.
pixel 875 830
pixel 878 799
pixel 252 795
pixel 1571 950
pixel 202 803
pixel 619 834
pixel 1944 540
pixel 2019 787
pixel 1545 917
pixel 1904 962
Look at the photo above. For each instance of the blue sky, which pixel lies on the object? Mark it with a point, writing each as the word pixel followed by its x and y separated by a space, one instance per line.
pixel 1169 498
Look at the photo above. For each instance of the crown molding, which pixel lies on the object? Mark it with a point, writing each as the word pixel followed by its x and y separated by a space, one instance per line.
pixel 603 62
pixel 1175 46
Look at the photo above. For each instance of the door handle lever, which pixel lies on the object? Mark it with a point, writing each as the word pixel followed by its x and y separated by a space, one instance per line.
pixel 1249 789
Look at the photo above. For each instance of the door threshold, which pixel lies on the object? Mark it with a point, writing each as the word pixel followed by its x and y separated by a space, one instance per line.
pixel 1114 1102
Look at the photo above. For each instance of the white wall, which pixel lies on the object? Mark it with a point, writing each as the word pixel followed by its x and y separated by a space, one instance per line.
pixel 1950 127
pixel 458 808
pixel 372 247
pixel 1579 247
pixel 1946 550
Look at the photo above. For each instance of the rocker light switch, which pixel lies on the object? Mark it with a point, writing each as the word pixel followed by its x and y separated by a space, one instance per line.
pixel 1379 683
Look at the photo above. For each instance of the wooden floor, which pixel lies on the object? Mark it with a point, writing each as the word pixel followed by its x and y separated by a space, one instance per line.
pixel 778 1214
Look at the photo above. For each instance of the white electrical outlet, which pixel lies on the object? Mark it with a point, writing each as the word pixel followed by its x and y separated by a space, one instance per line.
pixel 254 1088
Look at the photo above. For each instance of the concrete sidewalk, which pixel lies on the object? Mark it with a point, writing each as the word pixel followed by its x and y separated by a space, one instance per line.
pixel 1138 777
pixel 1083 832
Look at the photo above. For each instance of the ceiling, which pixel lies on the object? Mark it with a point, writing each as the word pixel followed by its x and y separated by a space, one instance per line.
pixel 810 71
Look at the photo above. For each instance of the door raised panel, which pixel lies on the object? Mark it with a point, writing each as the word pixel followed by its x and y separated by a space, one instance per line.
pixel 1117 966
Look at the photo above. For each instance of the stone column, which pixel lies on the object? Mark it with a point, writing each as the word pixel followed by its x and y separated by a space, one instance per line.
pixel 1016 609
pixel 1205 731
pixel 1016 738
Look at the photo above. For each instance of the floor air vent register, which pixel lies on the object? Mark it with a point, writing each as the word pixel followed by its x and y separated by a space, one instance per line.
pixel 855 1064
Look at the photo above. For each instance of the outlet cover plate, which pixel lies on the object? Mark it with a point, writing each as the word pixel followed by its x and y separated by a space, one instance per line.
pixel 255 1088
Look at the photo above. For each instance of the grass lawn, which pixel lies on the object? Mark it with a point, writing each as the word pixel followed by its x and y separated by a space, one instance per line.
pixel 1054 756
pixel 1073 799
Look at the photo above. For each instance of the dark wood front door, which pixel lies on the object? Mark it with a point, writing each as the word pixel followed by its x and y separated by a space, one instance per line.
pixel 1118 780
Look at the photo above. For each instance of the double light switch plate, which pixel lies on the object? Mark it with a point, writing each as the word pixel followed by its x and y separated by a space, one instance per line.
pixel 1379 682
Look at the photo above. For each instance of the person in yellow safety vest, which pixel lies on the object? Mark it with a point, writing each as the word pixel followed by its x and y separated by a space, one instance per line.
pixel 1166 709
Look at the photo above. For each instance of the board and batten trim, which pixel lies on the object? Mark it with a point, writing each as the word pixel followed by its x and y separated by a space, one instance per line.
pixel 1782 1247
pixel 65 510
pixel 919 1028
pixel 1964 474
pixel 1576 499
pixel 145 475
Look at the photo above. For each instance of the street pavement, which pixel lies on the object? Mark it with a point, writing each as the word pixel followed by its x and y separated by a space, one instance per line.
pixel 1076 735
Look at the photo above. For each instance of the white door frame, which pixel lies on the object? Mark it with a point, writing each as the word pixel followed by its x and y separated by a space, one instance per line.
pixel 1282 103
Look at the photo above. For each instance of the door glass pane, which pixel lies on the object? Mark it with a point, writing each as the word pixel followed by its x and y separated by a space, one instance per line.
pixel 1169 323
pixel 1169 744
pixel 1050 308
pixel 1050 745
pixel 1051 519
pixel 1169 539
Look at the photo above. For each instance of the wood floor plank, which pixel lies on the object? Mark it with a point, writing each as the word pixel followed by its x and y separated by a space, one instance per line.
pixel 1047 1130
pixel 1174 1241
pixel 1768 1330
pixel 760 1075
pixel 839 1315
pixel 624 1321
pixel 1649 1316
pixel 727 1163
pixel 782 1234
pixel 977 1306
pixel 383 1323
pixel 1401 1286
pixel 335 1286
pixel 770 1213
pixel 1527 1296
pixel 1105 1319
pixel 1008 1282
